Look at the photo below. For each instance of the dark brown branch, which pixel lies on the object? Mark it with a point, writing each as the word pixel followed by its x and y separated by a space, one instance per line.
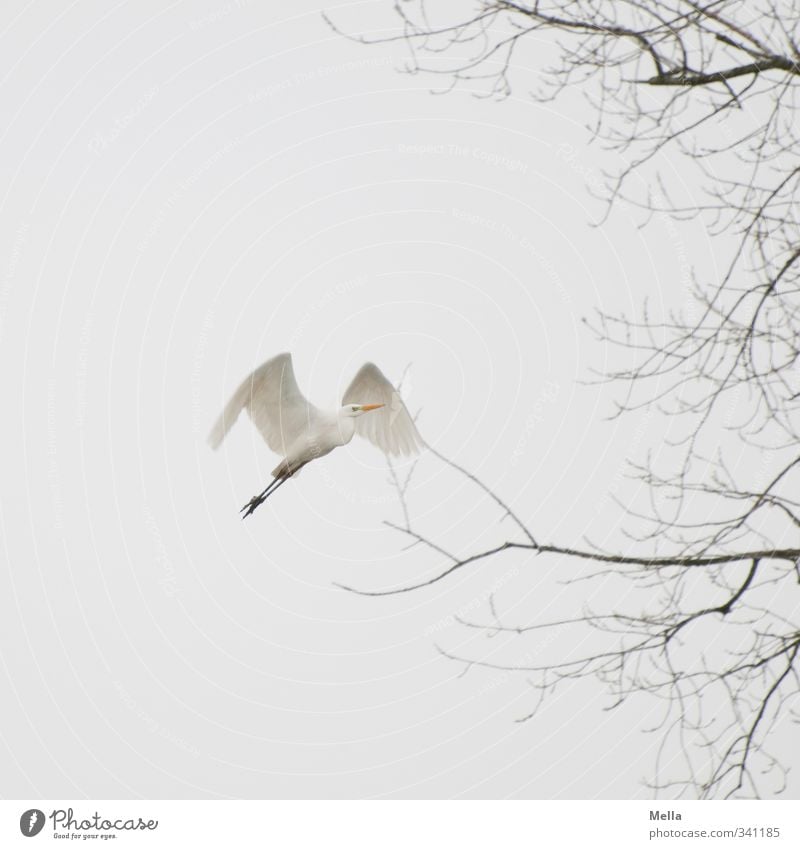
pixel 788 554
pixel 687 77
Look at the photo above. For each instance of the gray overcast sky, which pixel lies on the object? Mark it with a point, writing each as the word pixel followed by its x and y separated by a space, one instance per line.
pixel 189 189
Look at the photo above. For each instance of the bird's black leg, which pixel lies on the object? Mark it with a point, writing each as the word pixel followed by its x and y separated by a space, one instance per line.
pixel 258 500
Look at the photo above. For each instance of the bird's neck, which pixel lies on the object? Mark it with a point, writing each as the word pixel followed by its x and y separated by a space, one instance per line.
pixel 346 426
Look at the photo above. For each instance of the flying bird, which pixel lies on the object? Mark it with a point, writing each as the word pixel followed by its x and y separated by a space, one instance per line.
pixel 300 432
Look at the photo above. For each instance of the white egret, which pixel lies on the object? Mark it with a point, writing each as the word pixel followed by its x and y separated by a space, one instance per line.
pixel 293 427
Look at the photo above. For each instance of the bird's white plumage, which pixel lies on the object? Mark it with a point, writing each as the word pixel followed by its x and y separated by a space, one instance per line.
pixel 274 402
pixel 293 427
pixel 391 428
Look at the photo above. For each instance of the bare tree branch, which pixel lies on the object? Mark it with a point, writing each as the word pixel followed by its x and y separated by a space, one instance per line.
pixel 716 85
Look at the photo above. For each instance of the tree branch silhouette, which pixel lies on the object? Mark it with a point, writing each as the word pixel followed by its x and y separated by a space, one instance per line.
pixel 715 86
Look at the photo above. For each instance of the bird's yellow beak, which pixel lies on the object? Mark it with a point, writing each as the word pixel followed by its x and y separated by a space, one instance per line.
pixel 367 407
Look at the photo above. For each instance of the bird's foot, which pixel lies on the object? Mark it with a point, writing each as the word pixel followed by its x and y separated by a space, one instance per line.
pixel 255 501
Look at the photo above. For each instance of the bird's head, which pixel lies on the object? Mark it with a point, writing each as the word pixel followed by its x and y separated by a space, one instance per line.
pixel 352 411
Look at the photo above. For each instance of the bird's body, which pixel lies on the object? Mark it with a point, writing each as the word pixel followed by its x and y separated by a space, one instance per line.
pixel 330 431
pixel 301 432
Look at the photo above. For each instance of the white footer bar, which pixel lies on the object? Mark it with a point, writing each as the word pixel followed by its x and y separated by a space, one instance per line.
pixel 400 824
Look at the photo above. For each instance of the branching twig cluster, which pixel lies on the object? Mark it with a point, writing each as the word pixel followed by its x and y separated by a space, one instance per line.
pixel 725 672
pixel 716 85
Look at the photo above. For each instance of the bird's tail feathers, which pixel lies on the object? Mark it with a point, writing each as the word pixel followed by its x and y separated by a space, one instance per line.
pixel 286 469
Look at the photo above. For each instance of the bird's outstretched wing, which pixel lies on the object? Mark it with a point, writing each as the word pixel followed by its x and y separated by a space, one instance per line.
pixel 273 401
pixel 391 428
